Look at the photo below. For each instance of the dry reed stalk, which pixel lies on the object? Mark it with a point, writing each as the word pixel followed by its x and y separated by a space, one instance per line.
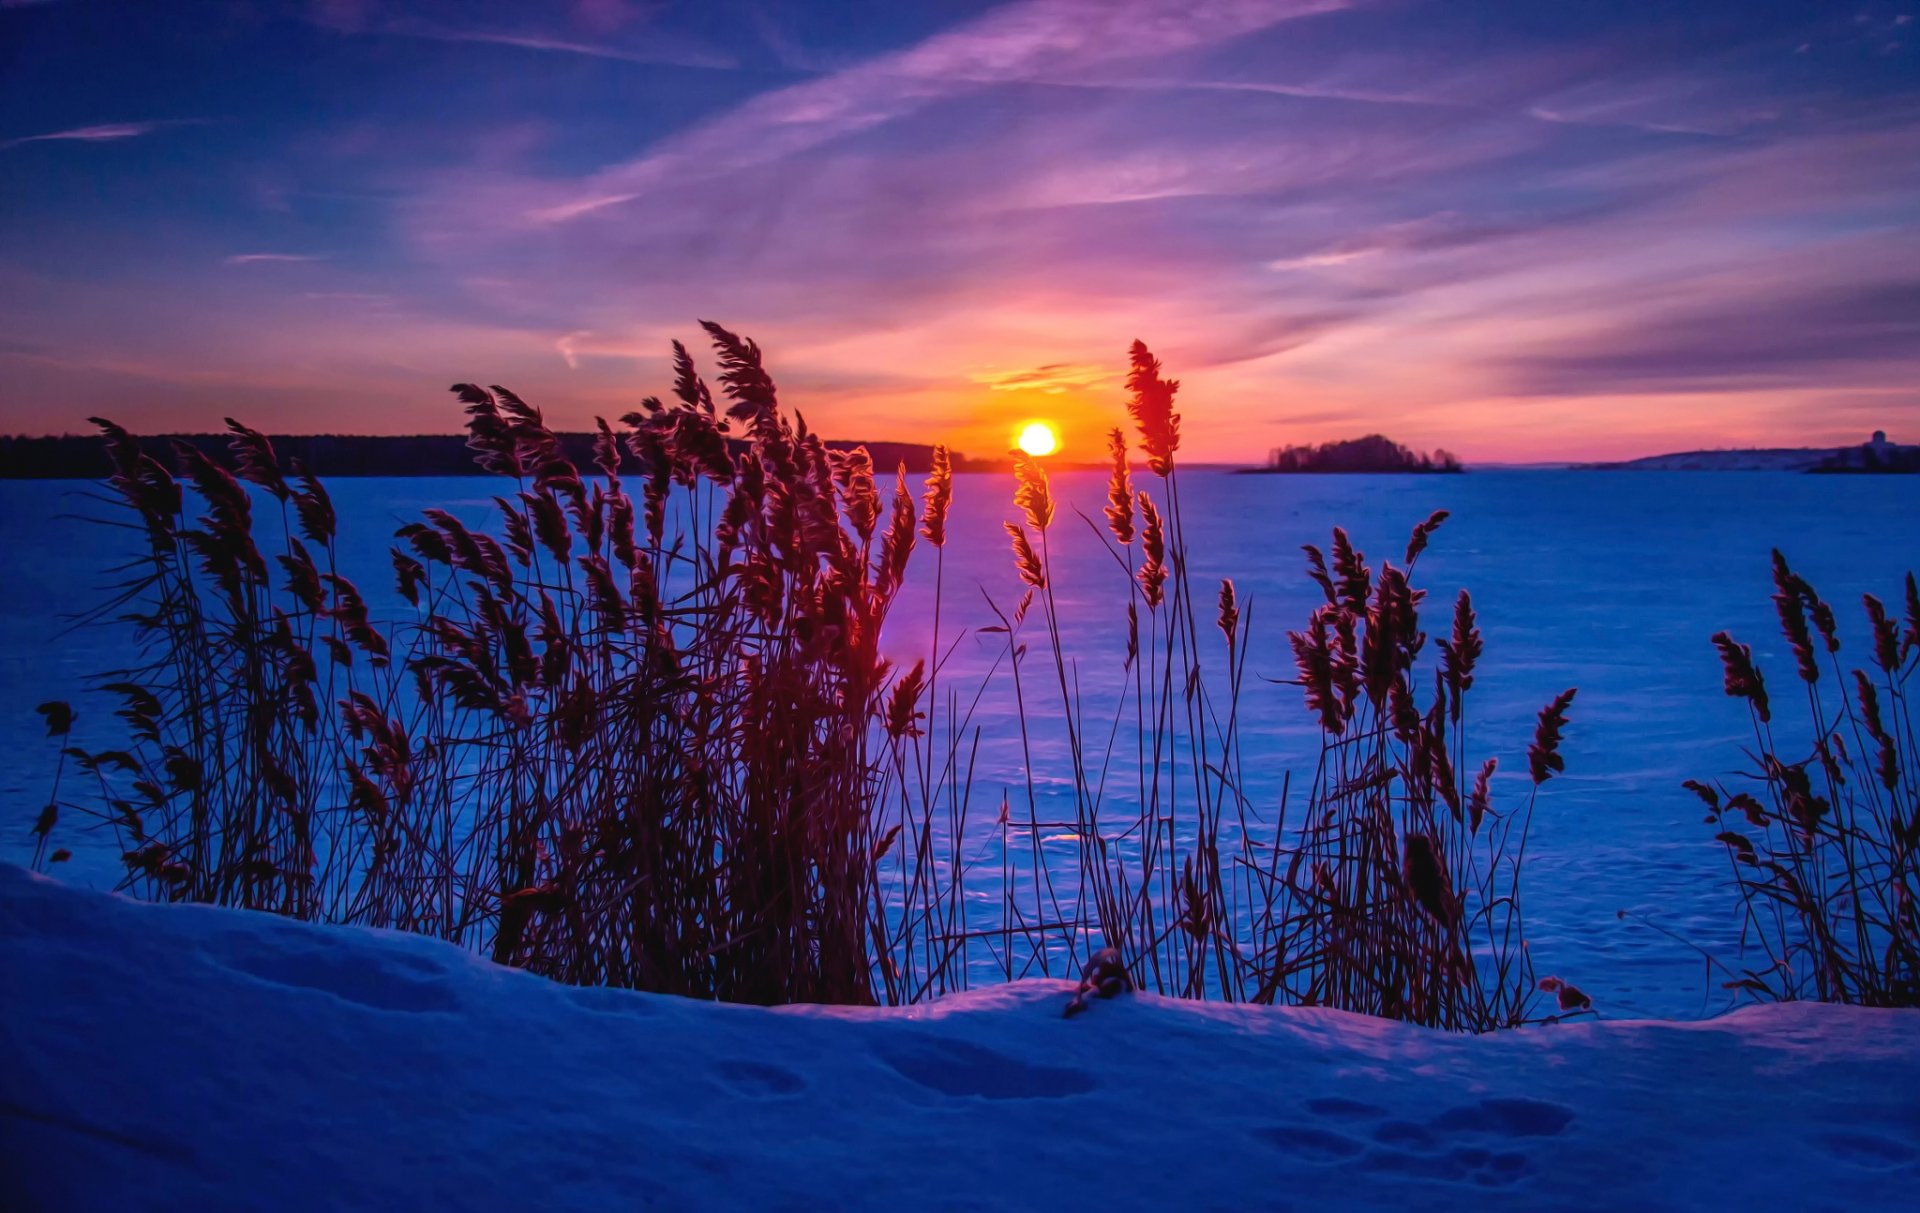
pixel 1824 850
pixel 654 743
pixel 619 744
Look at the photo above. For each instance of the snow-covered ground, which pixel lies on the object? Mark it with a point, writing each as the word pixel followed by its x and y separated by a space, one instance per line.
pixel 1611 583
pixel 158 1057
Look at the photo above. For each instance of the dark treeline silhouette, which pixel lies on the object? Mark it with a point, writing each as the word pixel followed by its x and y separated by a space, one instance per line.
pixel 1373 453
pixel 80 457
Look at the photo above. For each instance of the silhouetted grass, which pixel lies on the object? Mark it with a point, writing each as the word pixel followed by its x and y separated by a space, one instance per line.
pixel 627 739
pixel 637 730
pixel 1824 848
pixel 1399 892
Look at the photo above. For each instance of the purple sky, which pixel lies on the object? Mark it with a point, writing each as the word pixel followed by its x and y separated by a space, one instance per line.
pixel 1518 230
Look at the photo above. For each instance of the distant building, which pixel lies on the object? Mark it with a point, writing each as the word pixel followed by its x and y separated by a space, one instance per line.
pixel 1875 455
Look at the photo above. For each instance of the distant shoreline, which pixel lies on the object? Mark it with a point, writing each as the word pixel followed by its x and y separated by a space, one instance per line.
pixel 1379 471
pixel 1876 458
pixel 82 457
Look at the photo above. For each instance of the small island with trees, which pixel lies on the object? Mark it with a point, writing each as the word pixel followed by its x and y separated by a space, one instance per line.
pixel 1373 453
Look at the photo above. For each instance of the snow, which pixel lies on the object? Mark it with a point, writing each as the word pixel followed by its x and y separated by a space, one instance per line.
pixel 1609 583
pixel 187 1057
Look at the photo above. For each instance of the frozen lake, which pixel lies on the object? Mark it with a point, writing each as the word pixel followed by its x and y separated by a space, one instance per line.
pixel 1611 582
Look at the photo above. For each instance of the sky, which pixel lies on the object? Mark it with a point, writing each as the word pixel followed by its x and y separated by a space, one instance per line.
pixel 1517 229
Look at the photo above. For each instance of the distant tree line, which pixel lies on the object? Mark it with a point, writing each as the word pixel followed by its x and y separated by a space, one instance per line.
pixel 1373 453
pixel 82 457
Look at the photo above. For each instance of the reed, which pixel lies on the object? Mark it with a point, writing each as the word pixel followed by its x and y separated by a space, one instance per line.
pixel 636 728
pixel 1402 895
pixel 1399 893
pixel 618 740
pixel 1822 833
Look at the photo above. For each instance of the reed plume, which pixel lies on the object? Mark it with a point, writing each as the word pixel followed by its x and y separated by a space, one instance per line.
pixel 1789 601
pixel 1032 572
pixel 1229 617
pixel 1422 533
pixel 1153 546
pixel 1543 756
pixel 1742 678
pixel 1033 495
pixel 1119 489
pixel 939 498
pixel 1151 405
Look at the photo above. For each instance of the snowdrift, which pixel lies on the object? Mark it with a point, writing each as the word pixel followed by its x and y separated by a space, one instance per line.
pixel 191 1058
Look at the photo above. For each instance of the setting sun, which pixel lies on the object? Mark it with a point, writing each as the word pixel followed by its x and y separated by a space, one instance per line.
pixel 1038 438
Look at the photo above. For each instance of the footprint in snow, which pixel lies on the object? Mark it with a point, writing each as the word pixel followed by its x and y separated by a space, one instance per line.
pixel 1457 1146
pixel 1400 1149
pixel 1302 1141
pixel 760 1079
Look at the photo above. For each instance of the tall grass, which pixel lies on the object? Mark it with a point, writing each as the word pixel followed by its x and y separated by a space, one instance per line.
pixel 1402 895
pixel 1150 881
pixel 1398 894
pixel 1822 834
pixel 629 739
pixel 638 730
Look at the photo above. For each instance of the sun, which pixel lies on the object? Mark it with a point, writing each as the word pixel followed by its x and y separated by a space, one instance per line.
pixel 1038 438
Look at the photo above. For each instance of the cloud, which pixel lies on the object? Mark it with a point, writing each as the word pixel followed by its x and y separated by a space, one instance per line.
pixel 1441 232
pixel 1054 379
pixel 260 258
pixel 652 52
pixel 998 207
pixel 1021 42
pixel 1789 335
pixel 1432 220
pixel 108 132
pixel 464 21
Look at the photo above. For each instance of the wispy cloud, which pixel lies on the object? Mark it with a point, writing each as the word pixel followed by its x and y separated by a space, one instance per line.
pixel 1021 42
pixel 1768 334
pixel 569 348
pixel 260 258
pixel 657 51
pixel 507 25
pixel 1053 379
pixel 107 132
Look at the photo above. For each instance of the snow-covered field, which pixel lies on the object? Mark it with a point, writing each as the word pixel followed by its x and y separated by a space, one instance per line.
pixel 1611 582
pixel 190 1058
